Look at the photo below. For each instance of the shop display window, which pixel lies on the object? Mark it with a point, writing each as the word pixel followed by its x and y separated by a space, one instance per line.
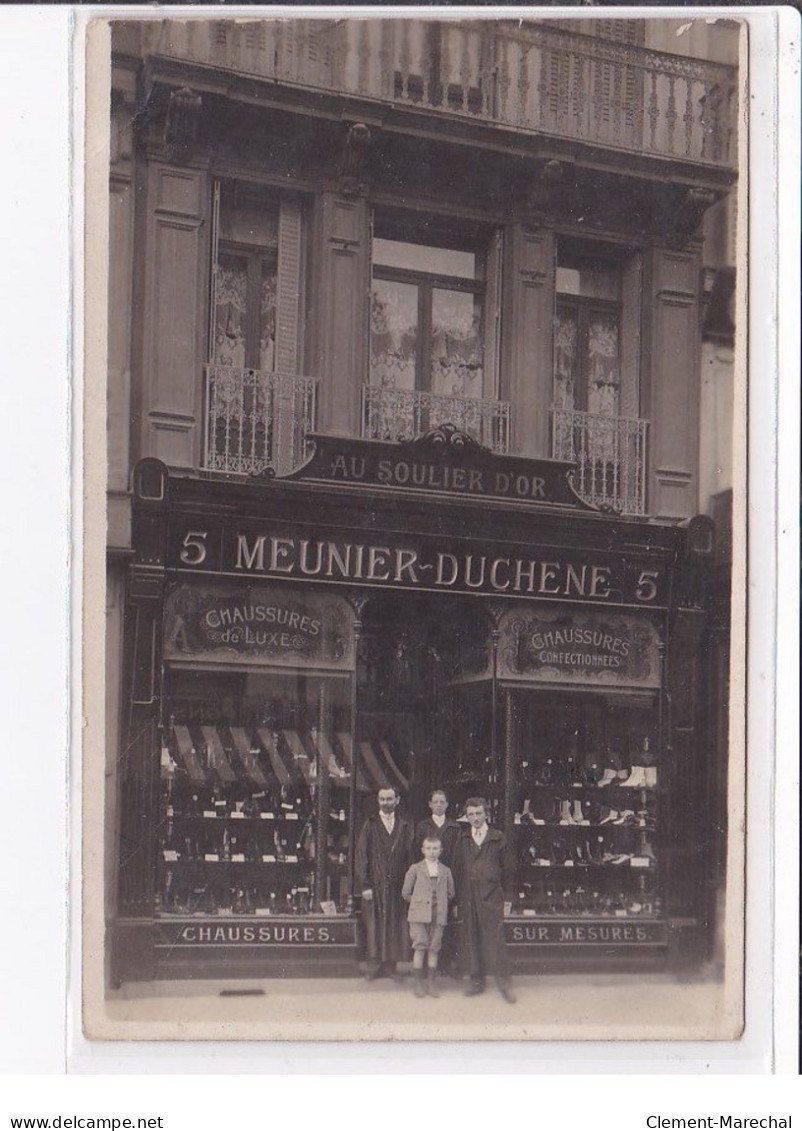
pixel 263 788
pixel 255 785
pixel 586 817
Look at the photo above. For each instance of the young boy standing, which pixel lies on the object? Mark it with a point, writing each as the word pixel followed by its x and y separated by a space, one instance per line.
pixel 428 888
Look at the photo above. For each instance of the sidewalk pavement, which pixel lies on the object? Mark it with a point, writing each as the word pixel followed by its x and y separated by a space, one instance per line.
pixel 550 1007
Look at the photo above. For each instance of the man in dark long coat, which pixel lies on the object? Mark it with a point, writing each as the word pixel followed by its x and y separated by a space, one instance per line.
pixel 384 851
pixel 484 871
pixel 439 825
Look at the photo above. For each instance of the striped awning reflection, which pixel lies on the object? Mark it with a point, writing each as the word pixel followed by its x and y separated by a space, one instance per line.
pixel 289 758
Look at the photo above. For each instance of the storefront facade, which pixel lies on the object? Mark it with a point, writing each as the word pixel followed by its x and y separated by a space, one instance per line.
pixel 404 486
pixel 292 647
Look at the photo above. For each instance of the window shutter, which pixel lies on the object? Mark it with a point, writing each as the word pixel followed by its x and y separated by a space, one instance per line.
pixel 620 31
pixel 289 287
pixel 210 344
pixel 630 337
pixel 493 314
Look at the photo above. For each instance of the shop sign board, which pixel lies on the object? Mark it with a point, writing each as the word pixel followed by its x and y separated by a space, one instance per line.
pixel 443 462
pixel 264 624
pixel 300 934
pixel 261 932
pixel 424 562
pixel 604 932
pixel 571 646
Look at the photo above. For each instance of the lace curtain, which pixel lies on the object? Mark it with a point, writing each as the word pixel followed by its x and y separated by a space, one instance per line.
pixel 456 350
pixel 231 300
pixel 393 334
pixel 566 357
pixel 601 362
pixel 604 381
pixel 457 353
pixel 267 322
pixel 230 307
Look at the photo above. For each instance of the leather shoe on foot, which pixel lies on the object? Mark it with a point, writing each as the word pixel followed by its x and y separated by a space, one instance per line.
pixel 507 992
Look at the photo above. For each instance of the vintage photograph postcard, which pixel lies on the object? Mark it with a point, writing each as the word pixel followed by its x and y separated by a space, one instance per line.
pixel 413 659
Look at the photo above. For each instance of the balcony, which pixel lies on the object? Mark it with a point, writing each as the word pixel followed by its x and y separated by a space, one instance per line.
pixel 525 76
pixel 403 414
pixel 257 420
pixel 610 454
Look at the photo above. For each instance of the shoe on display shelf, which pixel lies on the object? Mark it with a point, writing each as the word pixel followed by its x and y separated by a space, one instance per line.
pixel 636 779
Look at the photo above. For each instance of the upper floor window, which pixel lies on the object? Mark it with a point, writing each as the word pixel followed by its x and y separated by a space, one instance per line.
pixel 429 313
pixel 258 407
pixel 434 327
pixel 256 291
pixel 587 337
pixel 596 420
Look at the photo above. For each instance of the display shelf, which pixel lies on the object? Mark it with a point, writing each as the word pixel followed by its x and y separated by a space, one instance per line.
pixel 594 790
pixel 586 802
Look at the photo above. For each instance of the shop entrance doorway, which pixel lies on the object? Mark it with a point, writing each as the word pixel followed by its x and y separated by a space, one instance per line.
pixel 425 688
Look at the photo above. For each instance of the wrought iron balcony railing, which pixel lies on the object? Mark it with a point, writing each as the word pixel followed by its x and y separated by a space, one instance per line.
pixel 610 454
pixel 517 74
pixel 401 414
pixel 256 420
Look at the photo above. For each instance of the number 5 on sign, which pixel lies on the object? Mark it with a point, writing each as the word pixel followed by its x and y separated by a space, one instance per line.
pixel 647 588
pixel 194 551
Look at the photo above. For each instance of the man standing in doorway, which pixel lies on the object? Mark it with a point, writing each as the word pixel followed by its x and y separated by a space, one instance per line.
pixel 439 825
pixel 384 851
pixel 484 871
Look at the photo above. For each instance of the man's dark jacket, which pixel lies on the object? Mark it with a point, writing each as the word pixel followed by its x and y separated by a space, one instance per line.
pixel 381 863
pixel 449 835
pixel 484 877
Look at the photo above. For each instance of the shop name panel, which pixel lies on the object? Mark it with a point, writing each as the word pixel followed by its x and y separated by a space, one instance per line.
pixel 444 462
pixel 422 562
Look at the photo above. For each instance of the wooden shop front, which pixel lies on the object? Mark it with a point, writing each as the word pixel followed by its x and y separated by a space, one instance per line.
pixel 417 615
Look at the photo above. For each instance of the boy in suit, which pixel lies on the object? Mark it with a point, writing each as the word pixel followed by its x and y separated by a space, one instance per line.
pixel 428 887
pixel 439 824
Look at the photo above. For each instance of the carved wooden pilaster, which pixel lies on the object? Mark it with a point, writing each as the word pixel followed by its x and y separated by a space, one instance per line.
pixel 548 195
pixel 671 378
pixel 680 212
pixel 139 755
pixel 354 161
pixel 182 122
pixel 527 345
pixel 687 801
pixel 342 281
pixel 358 602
